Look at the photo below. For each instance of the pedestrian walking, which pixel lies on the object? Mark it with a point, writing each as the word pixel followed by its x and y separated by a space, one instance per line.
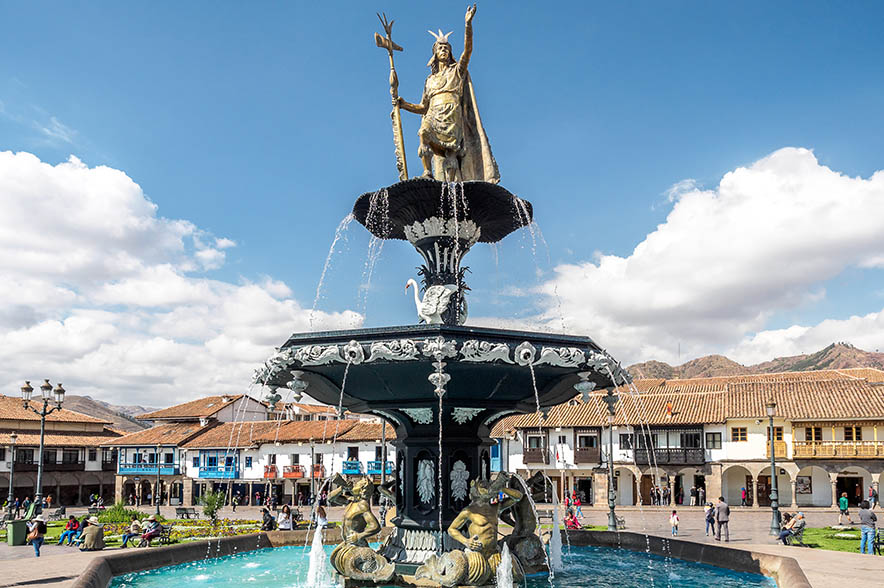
pixel 710 518
pixel 701 495
pixel 577 504
pixel 693 496
pixel 867 524
pixel 873 497
pixel 842 509
pixel 235 501
pixel 742 497
pixel 17 507
pixel 36 533
pixel 673 522
pixel 722 518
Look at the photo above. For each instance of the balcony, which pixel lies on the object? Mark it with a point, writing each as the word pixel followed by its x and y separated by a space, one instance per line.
pixel 374 468
pixel 319 471
pixel 109 466
pixel 214 472
pixel 835 449
pixel 270 472
pixel 780 450
pixel 352 467
pixel 31 466
pixel 671 456
pixel 293 471
pixel 588 455
pixel 536 455
pixel 148 469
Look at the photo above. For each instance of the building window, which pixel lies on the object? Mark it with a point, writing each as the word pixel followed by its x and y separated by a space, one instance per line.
pixel 196 462
pixel 249 461
pixel 2 454
pixel 690 439
pixel 713 440
pixel 378 453
pixel 563 440
pixel 49 456
pixel 93 454
pixel 70 455
pixel 353 453
pixel 777 433
pixel 625 440
pixel 853 433
pixel 212 461
pixel 168 458
pixel 587 441
pixel 24 456
pixel 271 458
pixel 296 458
pixel 813 433
pixel 739 434
pixel 535 442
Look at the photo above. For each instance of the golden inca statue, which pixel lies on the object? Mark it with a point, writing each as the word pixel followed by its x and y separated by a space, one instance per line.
pixel 453 143
pixel 477 563
pixel 353 558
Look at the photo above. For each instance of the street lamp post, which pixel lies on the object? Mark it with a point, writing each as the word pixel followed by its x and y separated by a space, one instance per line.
pixel 156 491
pixel 611 400
pixel 11 497
pixel 771 407
pixel 383 499
pixel 47 392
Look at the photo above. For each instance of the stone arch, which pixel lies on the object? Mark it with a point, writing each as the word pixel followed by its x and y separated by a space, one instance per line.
pixel 686 478
pixel 784 486
pixel 853 479
pixel 813 486
pixel 733 479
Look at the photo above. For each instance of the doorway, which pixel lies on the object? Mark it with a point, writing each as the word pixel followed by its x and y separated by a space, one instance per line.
pixel 583 486
pixel 763 490
pixel 853 486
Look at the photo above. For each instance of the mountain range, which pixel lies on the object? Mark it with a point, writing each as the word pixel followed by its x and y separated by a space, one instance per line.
pixel 120 417
pixel 835 356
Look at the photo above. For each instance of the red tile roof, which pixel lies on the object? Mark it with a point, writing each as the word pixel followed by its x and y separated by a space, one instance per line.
pixel 363 431
pixel 59 439
pixel 233 435
pixel 166 434
pixel 199 408
pixel 306 430
pixel 11 408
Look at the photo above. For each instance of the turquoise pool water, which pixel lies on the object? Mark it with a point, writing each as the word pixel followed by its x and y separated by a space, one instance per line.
pixel 585 567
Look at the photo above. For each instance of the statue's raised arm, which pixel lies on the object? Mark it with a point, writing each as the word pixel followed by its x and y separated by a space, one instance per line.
pixel 453 143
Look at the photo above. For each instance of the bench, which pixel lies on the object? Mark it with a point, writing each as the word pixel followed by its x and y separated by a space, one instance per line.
pixel 544 515
pixel 797 538
pixel 57 514
pixel 163 538
pixel 186 512
pixel 94 510
pixel 878 543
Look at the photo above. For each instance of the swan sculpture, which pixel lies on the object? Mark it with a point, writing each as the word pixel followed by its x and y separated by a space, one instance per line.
pixel 435 302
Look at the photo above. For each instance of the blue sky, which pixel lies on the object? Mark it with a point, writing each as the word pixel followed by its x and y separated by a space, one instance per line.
pixel 261 123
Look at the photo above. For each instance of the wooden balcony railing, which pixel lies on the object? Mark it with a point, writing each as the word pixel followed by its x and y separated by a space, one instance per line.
pixel 587 455
pixel 318 470
pixel 780 447
pixel 818 449
pixel 536 455
pixel 293 471
pixel 671 455
pixel 270 472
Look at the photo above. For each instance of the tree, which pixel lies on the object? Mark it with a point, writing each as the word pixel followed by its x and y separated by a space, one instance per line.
pixel 212 503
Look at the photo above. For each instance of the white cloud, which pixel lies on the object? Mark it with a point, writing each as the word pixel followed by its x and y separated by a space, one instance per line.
pixel 726 260
pixel 100 292
pixel 56 130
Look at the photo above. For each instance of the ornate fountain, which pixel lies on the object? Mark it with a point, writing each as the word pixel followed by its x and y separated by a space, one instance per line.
pixel 441 384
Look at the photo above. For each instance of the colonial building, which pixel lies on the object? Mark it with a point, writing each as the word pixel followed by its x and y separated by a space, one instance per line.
pixel 218 444
pixel 75 465
pixel 712 433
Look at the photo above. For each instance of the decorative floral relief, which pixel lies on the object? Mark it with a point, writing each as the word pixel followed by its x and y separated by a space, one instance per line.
pixel 525 354
pixel 353 353
pixel 318 354
pixel 275 364
pixel 398 350
pixel 440 347
pixel 473 350
pixel 420 416
pixel 460 478
pixel 603 363
pixel 561 356
pixel 426 487
pixel 436 227
pixel 463 414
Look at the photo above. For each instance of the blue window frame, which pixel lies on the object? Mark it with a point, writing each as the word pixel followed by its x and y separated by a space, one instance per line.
pixel 212 461
pixel 248 462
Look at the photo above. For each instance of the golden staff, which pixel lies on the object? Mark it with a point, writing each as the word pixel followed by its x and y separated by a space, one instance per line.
pixel 388 44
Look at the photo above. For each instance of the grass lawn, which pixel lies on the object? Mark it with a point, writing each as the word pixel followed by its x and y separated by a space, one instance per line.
pixel 824 538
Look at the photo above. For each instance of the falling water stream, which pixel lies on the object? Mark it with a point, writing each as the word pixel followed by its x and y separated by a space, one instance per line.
pixel 504 572
pixel 339 233
pixel 317 572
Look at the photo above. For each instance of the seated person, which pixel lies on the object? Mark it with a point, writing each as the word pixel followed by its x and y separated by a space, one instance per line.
pixel 133 531
pixel 151 529
pixel 268 523
pixel 70 530
pixel 284 519
pixel 93 536
pixel 571 521
pixel 793 527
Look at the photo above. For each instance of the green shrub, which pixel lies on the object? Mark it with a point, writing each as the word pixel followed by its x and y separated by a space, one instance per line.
pixel 212 503
pixel 118 513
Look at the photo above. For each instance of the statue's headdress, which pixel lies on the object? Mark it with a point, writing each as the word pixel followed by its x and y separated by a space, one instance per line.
pixel 440 38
